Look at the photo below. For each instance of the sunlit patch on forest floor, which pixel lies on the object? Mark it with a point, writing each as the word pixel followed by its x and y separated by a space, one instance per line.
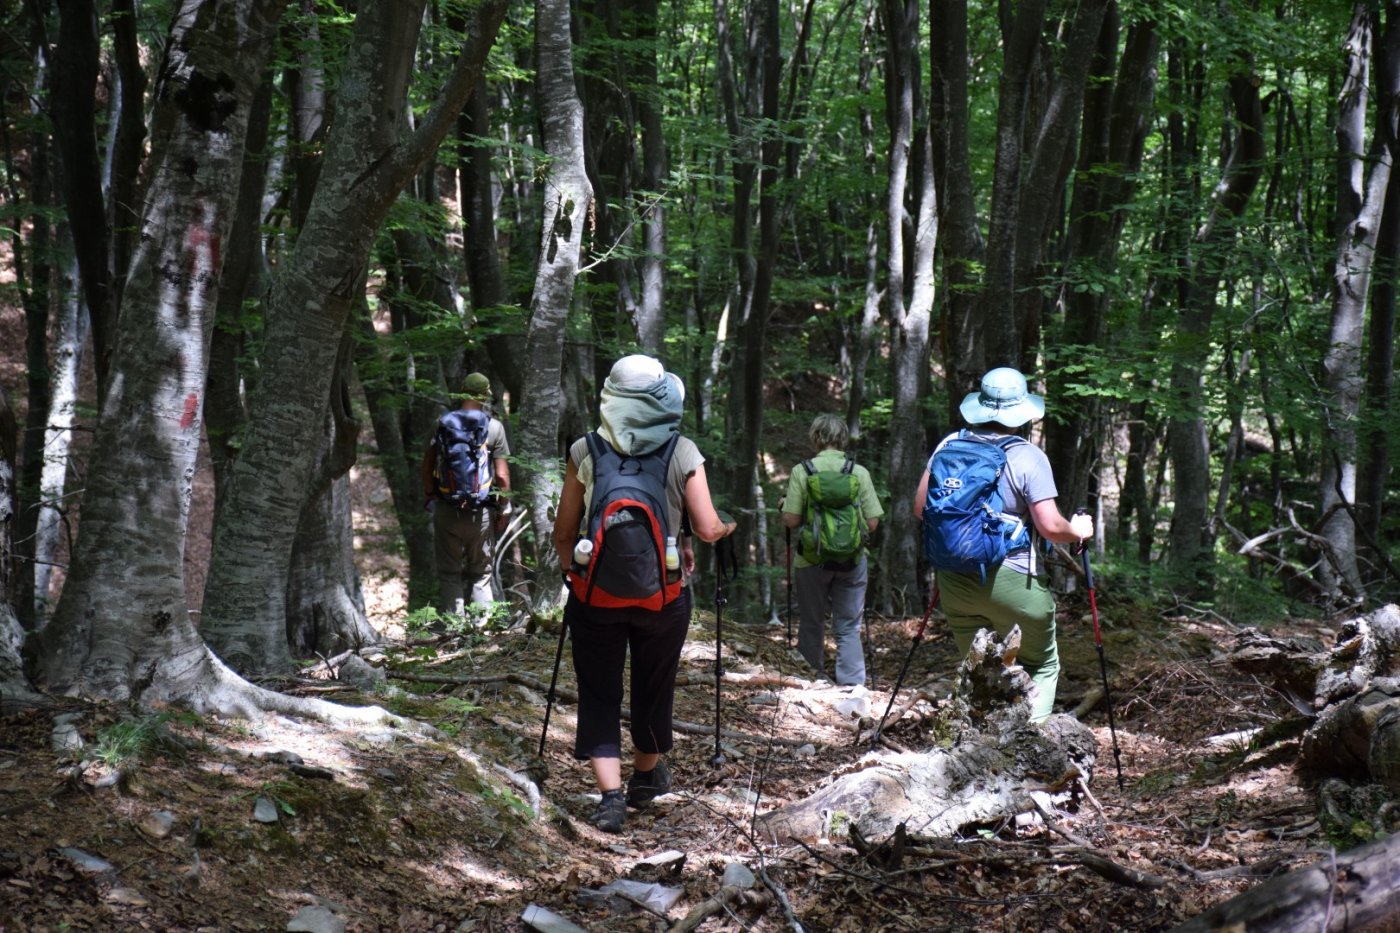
pixel 390 832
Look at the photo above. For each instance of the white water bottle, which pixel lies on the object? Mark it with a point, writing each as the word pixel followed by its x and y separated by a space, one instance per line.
pixel 583 553
pixel 673 556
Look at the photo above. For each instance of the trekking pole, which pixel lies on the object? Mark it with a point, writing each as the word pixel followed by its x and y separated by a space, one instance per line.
pixel 918 637
pixel 1103 664
pixel 726 569
pixel 553 681
pixel 789 589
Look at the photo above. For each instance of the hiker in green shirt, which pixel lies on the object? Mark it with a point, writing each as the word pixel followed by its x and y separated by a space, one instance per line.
pixel 829 566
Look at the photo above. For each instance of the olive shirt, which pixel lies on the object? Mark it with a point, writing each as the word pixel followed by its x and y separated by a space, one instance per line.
pixel 829 459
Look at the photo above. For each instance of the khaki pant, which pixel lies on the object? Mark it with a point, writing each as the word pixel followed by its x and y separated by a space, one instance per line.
pixel 1007 598
pixel 463 544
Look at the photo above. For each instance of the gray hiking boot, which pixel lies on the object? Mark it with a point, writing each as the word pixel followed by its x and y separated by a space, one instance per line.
pixel 611 812
pixel 644 787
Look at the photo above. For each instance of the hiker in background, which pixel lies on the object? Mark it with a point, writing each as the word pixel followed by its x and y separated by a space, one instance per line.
pixel 627 587
pixel 1014 591
pixel 832 499
pixel 466 480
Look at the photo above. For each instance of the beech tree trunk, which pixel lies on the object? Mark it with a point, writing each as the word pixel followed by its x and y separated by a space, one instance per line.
pixel 52 507
pixel 911 191
pixel 1190 553
pixel 1363 180
pixel 1115 124
pixel 964 250
pixel 121 628
pixel 566 212
pixel 367 162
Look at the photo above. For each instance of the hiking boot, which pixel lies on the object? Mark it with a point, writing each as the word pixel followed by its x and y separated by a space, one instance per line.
pixel 645 786
pixel 611 812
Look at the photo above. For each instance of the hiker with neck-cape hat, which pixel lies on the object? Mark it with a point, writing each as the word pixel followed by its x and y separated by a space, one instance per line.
pixel 620 538
pixel 998 592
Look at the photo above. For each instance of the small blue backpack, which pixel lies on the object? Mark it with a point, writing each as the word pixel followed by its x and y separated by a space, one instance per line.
pixel 965 529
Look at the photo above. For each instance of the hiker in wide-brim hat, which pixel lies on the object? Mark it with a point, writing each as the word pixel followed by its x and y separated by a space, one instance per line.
pixel 1014 590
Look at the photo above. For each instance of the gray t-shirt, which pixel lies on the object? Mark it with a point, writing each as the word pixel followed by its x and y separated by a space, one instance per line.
pixel 685 460
pixel 1026 480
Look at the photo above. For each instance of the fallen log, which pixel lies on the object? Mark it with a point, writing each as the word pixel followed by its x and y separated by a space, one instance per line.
pixel 995 763
pixel 1354 890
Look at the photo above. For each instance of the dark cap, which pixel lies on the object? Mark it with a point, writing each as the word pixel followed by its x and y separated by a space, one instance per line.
pixel 477 388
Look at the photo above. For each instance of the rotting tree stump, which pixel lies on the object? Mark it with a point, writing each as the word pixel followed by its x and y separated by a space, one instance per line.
pixel 996 762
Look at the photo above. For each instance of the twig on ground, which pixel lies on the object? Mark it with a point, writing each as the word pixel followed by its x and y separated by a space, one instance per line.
pixel 1260 869
pixel 781 897
pixel 718 903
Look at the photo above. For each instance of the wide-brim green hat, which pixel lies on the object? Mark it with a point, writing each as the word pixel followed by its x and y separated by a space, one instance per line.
pixel 1003 398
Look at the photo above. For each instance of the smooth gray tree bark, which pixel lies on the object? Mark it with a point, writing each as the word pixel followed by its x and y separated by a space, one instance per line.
pixel 909 308
pixel 568 194
pixel 121 628
pixel 1190 552
pixel 1363 180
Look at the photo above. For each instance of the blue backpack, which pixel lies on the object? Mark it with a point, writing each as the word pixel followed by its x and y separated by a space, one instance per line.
pixel 965 529
pixel 462 466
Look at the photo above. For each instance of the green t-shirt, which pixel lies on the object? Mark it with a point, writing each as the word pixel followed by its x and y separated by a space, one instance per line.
pixel 829 459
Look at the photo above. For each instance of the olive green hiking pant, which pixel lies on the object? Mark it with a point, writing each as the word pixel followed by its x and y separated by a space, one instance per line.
pixel 1007 598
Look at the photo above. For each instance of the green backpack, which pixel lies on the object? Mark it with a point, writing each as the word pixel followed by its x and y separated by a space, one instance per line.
pixel 833 531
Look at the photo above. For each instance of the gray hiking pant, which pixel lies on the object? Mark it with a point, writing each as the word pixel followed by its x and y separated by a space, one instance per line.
pixel 463 542
pixel 818 588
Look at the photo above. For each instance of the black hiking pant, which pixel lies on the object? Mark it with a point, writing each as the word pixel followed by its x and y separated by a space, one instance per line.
pixel 602 639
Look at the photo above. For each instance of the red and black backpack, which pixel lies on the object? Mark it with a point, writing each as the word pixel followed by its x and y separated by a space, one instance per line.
pixel 628 527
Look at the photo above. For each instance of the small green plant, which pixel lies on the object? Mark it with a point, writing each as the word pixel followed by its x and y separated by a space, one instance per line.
pixel 133 740
pixel 456 708
pixel 277 791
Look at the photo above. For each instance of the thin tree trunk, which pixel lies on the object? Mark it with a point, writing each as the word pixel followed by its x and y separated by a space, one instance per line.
pixel 35 286
pixel 224 411
pixel 964 357
pixel 566 212
pixel 57 434
pixel 73 103
pixel 1361 196
pixel 1380 372
pixel 911 181
pixel 870 310
pixel 651 317
pixel 1190 452
pixel 1115 126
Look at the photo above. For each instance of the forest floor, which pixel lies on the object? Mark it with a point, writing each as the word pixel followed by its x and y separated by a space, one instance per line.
pixel 377 830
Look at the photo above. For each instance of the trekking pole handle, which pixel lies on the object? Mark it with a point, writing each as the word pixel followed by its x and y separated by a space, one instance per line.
pixel 1084 551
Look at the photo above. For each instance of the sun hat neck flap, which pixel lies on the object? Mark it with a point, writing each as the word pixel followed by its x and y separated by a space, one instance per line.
pixel 1003 398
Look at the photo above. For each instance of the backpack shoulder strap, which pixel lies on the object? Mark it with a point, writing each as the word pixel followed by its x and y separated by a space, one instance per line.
pixel 809 467
pixel 849 465
pixel 597 447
